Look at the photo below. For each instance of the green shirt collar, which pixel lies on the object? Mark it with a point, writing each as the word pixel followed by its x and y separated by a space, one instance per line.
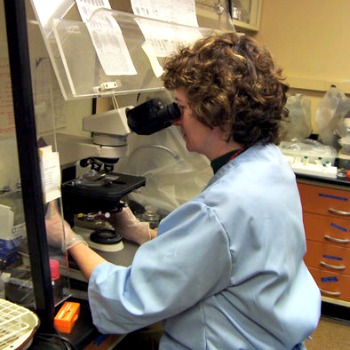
pixel 217 163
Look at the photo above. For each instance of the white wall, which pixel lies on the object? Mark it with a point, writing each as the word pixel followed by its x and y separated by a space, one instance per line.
pixel 310 40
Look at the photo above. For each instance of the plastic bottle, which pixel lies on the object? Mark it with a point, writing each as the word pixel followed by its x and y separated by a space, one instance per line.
pixel 56 283
pixel 150 215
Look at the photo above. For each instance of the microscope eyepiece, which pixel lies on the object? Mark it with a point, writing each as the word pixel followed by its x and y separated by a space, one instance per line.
pixel 169 112
pixel 152 116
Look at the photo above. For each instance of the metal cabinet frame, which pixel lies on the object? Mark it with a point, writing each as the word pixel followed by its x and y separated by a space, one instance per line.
pixel 23 103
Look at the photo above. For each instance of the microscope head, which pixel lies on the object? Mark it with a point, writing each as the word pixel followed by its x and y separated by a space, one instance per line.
pixel 152 116
pixel 108 128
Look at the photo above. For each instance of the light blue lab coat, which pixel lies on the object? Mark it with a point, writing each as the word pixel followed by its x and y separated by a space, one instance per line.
pixel 225 272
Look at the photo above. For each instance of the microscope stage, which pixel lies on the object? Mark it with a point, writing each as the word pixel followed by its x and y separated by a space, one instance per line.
pixel 100 193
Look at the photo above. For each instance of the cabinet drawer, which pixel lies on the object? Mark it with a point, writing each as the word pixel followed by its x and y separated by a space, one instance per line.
pixel 327 257
pixel 322 228
pixel 324 200
pixel 331 284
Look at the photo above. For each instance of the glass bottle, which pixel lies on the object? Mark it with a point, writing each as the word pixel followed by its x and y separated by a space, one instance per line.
pixel 151 215
pixel 56 283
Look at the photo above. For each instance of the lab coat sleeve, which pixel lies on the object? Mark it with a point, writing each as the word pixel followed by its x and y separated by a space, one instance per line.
pixel 188 261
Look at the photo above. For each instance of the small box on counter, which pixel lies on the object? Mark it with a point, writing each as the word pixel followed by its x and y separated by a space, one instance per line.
pixel 67 316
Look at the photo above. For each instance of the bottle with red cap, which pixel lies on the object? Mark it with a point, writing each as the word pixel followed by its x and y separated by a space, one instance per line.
pixel 57 289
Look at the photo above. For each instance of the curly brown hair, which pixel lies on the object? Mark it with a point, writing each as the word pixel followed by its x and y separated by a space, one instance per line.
pixel 231 82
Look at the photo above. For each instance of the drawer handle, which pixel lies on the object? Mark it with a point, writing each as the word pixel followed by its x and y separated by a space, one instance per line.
pixel 334 267
pixel 332 239
pixel 339 212
pixel 327 292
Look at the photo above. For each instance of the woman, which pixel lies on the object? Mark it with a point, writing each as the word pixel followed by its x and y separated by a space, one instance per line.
pixel 226 270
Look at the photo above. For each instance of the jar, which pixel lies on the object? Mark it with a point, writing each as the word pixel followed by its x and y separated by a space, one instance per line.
pixel 56 283
pixel 151 215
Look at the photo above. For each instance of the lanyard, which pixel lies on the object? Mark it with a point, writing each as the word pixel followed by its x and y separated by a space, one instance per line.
pixel 236 154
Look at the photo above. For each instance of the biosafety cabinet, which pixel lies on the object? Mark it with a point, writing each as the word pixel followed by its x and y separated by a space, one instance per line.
pixel 54 54
pixel 120 53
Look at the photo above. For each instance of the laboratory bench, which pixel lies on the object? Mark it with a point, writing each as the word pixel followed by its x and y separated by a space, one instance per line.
pixel 326 213
pixel 326 208
pixel 84 335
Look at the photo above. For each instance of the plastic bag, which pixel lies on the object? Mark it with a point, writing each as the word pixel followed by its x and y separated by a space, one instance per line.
pixel 327 120
pixel 342 114
pixel 299 125
pixel 173 175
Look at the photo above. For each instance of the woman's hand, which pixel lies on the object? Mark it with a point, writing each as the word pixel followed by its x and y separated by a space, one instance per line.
pixel 59 233
pixel 126 223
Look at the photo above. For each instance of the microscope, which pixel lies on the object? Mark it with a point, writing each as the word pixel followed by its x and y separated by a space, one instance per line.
pixel 100 189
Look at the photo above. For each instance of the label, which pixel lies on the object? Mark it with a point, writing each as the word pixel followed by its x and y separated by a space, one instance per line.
pixel 19 231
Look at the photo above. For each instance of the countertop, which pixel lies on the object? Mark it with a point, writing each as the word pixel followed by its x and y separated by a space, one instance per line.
pixel 84 334
pixel 336 181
